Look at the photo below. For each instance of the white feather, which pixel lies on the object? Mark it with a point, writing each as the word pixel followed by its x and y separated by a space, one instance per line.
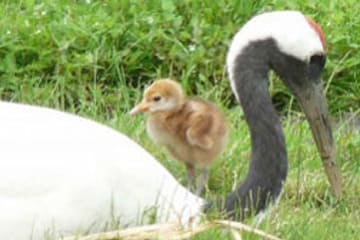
pixel 290 30
pixel 65 173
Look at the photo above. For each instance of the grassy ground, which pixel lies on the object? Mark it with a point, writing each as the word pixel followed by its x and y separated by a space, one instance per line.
pixel 94 57
pixel 307 209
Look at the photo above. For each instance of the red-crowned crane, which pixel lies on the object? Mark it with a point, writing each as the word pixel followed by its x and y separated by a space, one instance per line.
pixel 62 174
pixel 293 46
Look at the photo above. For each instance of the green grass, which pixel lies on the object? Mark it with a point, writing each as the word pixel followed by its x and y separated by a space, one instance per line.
pixel 83 53
pixel 95 57
pixel 307 209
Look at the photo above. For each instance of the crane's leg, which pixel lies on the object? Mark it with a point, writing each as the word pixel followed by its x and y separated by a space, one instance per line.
pixel 190 169
pixel 202 181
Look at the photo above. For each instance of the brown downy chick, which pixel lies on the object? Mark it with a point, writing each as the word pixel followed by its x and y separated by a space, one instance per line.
pixel 193 131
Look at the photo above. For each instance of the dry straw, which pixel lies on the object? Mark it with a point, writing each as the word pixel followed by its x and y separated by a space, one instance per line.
pixel 172 232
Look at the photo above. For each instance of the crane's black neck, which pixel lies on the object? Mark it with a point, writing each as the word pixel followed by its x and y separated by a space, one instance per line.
pixel 269 163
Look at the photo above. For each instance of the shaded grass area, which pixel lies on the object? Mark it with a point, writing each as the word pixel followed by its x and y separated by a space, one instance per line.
pixel 94 58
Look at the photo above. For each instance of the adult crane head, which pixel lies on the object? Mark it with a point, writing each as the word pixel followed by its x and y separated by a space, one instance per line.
pixel 293 46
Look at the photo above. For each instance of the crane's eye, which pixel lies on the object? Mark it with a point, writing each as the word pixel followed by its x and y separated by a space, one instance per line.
pixel 156 98
pixel 316 66
pixel 318 59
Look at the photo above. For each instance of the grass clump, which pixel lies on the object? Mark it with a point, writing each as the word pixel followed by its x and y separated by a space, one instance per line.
pixel 97 51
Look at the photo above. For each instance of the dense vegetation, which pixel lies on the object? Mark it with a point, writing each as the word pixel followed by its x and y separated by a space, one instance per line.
pixel 86 51
pixel 94 58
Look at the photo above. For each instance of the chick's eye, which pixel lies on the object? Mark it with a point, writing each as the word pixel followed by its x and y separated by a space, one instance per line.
pixel 156 98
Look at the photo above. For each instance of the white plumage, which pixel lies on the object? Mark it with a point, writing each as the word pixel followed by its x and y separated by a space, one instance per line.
pixel 65 174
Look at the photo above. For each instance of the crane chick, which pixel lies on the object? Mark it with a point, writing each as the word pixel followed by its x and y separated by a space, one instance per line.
pixel 192 130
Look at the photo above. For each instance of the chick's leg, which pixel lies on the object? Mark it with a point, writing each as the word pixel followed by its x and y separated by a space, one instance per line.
pixel 202 181
pixel 190 169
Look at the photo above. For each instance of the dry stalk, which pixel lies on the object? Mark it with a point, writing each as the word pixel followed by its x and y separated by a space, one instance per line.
pixel 170 232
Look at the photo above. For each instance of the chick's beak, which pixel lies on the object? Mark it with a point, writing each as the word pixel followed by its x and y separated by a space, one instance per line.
pixel 140 108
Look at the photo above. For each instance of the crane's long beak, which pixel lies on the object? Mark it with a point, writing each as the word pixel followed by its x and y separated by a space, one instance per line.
pixel 315 107
pixel 142 107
